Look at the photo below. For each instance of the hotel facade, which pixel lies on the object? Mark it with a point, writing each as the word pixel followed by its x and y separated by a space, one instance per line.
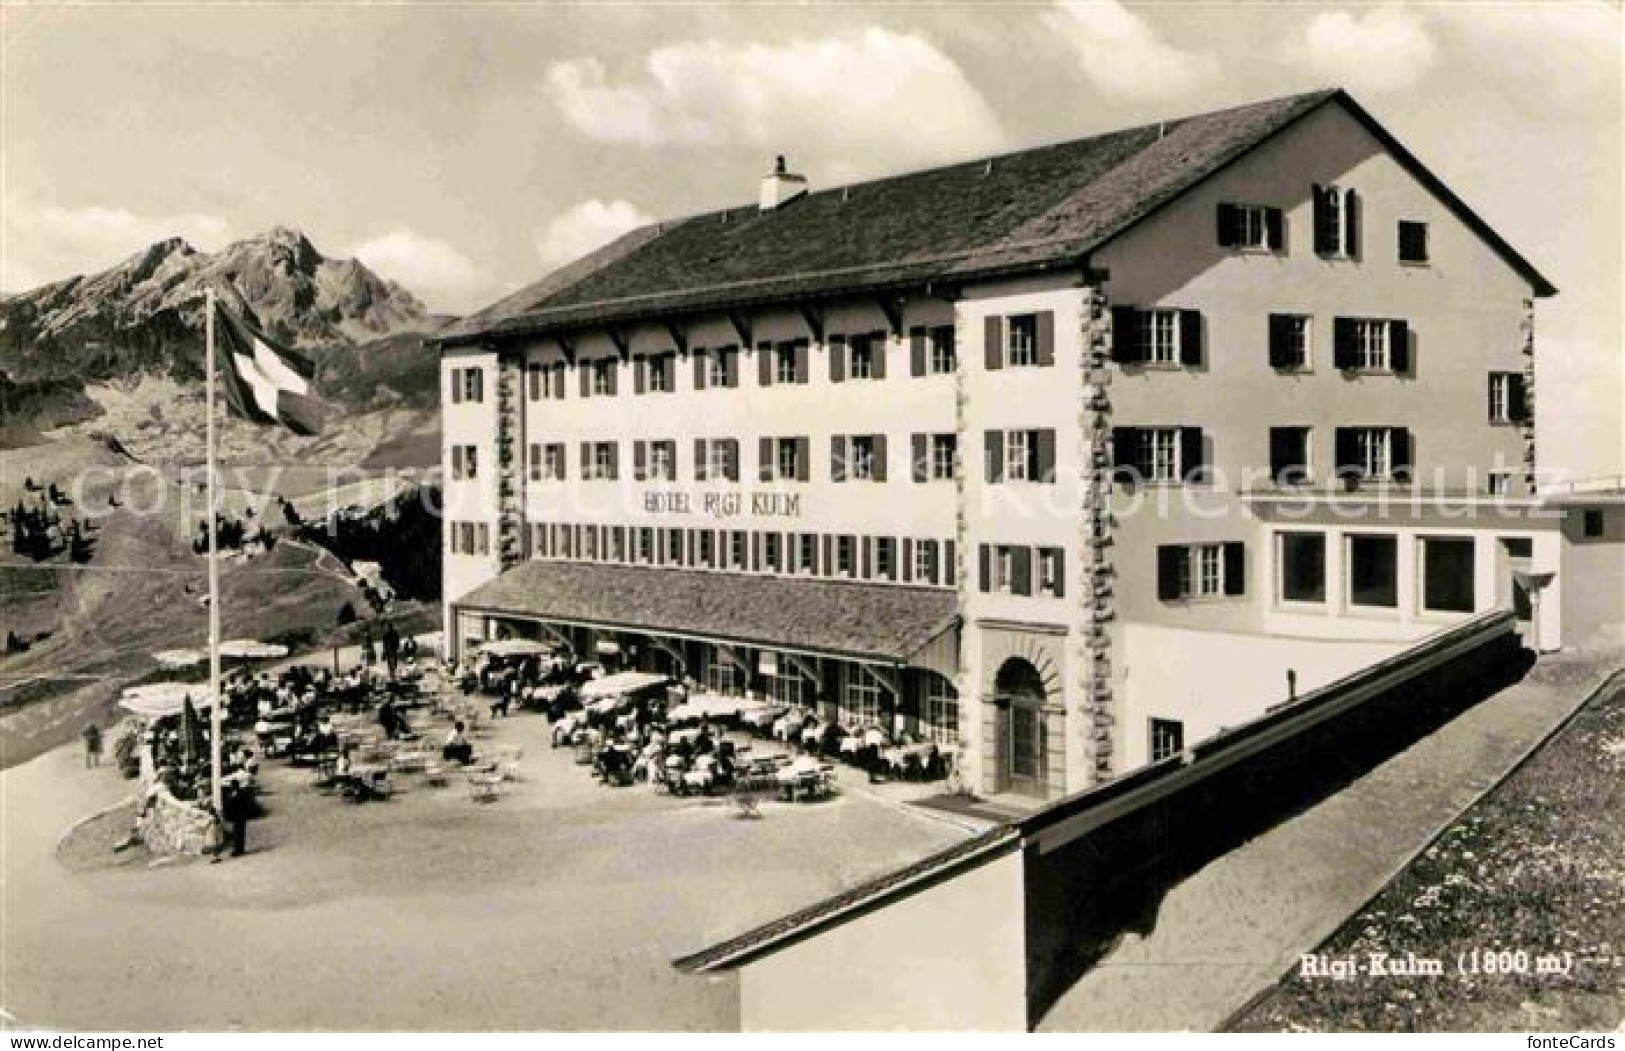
pixel 1065 458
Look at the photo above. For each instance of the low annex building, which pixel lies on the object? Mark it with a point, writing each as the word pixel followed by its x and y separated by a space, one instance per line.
pixel 1063 458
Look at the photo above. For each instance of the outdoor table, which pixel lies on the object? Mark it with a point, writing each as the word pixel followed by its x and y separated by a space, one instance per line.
pixel 810 735
pixel 687 735
pixel 766 715
pixel 850 745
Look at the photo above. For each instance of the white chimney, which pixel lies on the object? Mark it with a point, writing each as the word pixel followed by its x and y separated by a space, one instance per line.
pixel 781 187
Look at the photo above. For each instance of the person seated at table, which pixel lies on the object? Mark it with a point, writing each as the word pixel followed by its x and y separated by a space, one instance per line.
pixel 703 742
pixel 829 739
pixel 504 699
pixel 457 748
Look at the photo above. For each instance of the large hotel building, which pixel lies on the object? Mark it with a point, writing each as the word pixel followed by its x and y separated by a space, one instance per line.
pixel 1066 458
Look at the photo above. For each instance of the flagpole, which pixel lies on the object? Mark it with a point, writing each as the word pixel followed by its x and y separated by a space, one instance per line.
pixel 214 561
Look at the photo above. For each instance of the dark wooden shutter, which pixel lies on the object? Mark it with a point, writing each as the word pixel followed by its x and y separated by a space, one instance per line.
pixel 586 459
pixel 561 459
pixel 1281 355
pixel 949 564
pixel 802 350
pixel 1399 346
pixel 993 444
pixel 614 461
pixel 1190 338
pixel 1228 221
pixel 614 376
pixel 1324 234
pixel 1351 224
pixel 764 465
pixel 764 364
pixel 1057 561
pixel 1235 568
pixel 1191 461
pixel 1274 230
pixel 920 454
pixel 803 459
pixel 828 554
pixel 640 461
pixel 1046 455
pixel 1402 451
pixel 1021 570
pixel 755 552
pixel 866 548
pixel 1046 337
pixel 916 350
pixel 984 570
pixel 1345 349
pixel 733 459
pixel 837 358
pixel 1283 453
pixel 1517 398
pixel 456 393
pixel 1346 446
pixel 880 457
pixel 1127 346
pixel 585 369
pixel 558 381
pixel 701 358
pixel 700 465
pixel 1125 452
pixel 837 458
pixel 993 343
pixel 908 560
pixel 879 342
pixel 1169 559
pixel 640 375
pixel 533 376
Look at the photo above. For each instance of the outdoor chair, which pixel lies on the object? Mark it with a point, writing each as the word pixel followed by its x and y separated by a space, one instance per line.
pixel 484 787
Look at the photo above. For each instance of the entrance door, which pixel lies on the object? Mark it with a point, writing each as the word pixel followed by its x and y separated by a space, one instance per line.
pixel 1022 741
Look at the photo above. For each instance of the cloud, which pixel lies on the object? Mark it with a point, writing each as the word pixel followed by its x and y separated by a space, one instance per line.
pixel 586 226
pixel 868 99
pixel 48 242
pixel 431 269
pixel 1122 55
pixel 1382 49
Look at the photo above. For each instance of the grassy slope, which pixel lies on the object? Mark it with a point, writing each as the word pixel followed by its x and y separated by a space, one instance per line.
pixel 1537 865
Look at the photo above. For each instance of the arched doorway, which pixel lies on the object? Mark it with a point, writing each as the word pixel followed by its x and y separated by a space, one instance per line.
pixel 1018 693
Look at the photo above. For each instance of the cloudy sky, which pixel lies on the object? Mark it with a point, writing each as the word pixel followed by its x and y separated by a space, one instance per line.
pixel 464 149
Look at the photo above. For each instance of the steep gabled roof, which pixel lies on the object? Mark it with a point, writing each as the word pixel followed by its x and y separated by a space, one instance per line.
pixel 1015 213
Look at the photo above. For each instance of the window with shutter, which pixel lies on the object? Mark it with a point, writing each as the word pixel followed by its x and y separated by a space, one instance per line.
pixel 944 351
pixel 1289 455
pixel 1289 342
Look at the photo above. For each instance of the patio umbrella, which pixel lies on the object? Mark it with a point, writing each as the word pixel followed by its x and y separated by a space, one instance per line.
pixel 155 700
pixel 251 649
pixel 180 658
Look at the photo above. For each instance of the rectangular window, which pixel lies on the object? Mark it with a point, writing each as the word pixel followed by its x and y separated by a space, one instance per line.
pixel 484 536
pixel 1592 524
pixel 846 556
pixel 601 461
pixel 723 675
pixel 787 460
pixel 1159 454
pixel 646 545
pixel 862 363
pixel 925 561
pixel 1374 451
pixel 941 710
pixel 1159 336
pixel 716 369
pixel 662 370
pixel 1207 570
pixel 1373 572
pixel 1290 337
pixel 603 377
pixel 944 355
pixel 1021 347
pixel 1302 558
pixel 1018 455
pixel 738 549
pixel 1413 241
pixel 1498 483
pixel 784 363
pixel 944 455
pixel 886 558
pixel 1507 398
pixel 663 461
pixel 1004 570
pixel 1167 738
pixel 1251 226
pixel 1371 345
pixel 861 458
pixel 860 701
pixel 1447 574
pixel 773 552
pixel 1289 455
pixel 807 553
pixel 1050 572
pixel 1187 571
pixel 468 384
